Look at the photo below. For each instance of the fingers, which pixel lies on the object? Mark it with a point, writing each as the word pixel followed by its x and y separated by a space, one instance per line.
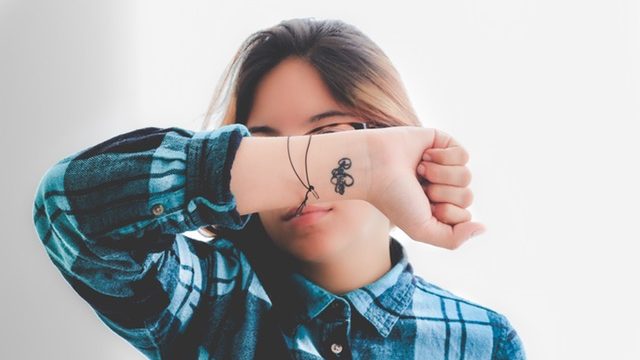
pixel 459 196
pixel 445 174
pixel 446 150
pixel 450 214
pixel 450 156
pixel 448 236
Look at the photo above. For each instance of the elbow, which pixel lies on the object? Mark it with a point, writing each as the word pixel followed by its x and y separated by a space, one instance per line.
pixel 48 200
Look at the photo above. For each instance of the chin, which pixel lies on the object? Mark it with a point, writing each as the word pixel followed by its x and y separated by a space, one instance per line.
pixel 309 249
pixel 313 243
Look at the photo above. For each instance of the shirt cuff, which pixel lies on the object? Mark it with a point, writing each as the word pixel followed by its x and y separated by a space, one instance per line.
pixel 210 155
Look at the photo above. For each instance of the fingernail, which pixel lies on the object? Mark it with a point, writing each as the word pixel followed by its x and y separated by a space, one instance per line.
pixel 476 233
pixel 421 168
pixel 426 157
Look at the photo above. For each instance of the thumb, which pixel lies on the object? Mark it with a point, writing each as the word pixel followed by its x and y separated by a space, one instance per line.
pixel 473 229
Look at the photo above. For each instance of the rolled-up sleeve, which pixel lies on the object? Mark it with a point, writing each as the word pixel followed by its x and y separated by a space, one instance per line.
pixel 108 217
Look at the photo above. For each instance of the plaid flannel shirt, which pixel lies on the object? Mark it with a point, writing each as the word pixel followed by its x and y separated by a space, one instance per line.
pixel 114 220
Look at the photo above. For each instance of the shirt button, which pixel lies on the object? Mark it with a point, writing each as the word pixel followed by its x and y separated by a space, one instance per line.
pixel 157 209
pixel 336 348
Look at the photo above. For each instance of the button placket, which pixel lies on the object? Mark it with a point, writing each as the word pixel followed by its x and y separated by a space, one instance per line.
pixel 336 310
pixel 157 209
pixel 336 348
pixel 337 331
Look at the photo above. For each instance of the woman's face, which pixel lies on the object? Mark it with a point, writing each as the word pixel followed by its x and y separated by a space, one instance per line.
pixel 285 99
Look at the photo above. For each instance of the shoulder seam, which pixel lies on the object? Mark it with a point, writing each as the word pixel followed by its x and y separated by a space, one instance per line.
pixel 421 284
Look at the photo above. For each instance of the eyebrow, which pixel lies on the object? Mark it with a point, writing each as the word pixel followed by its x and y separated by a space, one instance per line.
pixel 311 120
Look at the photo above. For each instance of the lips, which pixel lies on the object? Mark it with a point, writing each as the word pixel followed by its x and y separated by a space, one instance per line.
pixel 307 209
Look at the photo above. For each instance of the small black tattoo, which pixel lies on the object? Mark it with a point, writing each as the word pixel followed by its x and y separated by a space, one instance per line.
pixel 341 178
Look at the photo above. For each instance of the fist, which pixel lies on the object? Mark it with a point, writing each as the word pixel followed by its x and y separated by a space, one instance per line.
pixel 419 181
pixel 445 179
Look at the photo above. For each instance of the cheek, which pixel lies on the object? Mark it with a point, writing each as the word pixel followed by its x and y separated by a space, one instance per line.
pixel 361 219
pixel 359 213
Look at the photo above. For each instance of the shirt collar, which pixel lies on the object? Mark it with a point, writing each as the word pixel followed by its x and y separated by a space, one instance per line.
pixel 380 302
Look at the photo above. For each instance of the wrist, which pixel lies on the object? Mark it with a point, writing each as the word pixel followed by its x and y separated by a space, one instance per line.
pixel 378 159
pixel 339 165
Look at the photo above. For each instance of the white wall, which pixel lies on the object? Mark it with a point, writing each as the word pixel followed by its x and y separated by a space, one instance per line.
pixel 543 94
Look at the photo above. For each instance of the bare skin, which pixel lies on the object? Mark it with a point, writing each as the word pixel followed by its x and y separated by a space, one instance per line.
pixel 346 247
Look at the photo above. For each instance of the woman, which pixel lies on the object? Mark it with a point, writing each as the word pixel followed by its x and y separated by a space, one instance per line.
pixel 314 272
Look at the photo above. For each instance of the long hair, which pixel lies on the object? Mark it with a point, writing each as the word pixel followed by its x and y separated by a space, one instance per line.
pixel 358 74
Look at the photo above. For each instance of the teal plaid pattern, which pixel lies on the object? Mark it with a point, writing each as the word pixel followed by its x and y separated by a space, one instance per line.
pixel 114 220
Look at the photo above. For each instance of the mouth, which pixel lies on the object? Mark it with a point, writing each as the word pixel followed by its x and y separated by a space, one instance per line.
pixel 307 209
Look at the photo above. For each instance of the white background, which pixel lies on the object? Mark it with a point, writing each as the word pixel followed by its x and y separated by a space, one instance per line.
pixel 543 94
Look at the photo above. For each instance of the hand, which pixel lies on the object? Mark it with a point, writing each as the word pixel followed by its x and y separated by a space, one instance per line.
pixel 445 179
pixel 396 191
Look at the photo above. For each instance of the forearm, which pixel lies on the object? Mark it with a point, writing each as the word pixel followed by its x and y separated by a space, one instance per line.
pixel 262 177
pixel 108 217
pixel 139 185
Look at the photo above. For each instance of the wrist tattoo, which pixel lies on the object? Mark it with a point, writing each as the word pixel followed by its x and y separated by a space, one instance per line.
pixel 339 178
